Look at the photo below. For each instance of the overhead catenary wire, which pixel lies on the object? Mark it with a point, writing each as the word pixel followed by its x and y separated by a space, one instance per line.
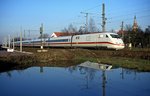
pixel 125 10
pixel 92 8
pixel 133 13
pixel 127 19
pixel 122 17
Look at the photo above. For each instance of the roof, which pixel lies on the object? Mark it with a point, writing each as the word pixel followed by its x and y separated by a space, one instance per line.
pixel 121 32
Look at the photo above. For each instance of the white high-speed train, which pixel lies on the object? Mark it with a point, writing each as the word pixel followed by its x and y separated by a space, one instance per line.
pixel 95 40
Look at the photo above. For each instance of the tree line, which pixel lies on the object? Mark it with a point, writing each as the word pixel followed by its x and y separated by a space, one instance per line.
pixel 138 38
pixel 91 27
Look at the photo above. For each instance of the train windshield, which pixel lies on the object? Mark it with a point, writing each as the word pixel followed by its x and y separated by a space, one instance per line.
pixel 114 36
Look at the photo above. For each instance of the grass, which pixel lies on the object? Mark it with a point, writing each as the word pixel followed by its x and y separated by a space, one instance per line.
pixel 133 59
pixel 130 63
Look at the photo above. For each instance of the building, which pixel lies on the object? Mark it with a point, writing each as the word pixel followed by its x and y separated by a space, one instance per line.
pixel 135 25
pixel 121 32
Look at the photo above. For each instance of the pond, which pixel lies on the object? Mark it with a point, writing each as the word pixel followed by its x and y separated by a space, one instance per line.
pixel 86 79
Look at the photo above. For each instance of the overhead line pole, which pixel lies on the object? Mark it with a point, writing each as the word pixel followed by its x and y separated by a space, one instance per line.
pixel 9 41
pixel 41 32
pixel 122 33
pixel 103 18
pixel 13 43
pixel 21 39
pixel 86 20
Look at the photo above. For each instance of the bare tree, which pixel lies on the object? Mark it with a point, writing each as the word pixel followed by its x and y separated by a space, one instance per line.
pixel 92 25
pixel 44 36
pixel 64 30
pixel 70 29
pixel 128 27
pixel 81 30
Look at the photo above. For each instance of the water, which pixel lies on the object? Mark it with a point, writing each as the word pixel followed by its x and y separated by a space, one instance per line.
pixel 74 81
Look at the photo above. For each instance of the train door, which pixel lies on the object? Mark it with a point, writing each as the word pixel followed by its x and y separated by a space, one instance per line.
pixel 99 39
pixel 75 40
pixel 107 41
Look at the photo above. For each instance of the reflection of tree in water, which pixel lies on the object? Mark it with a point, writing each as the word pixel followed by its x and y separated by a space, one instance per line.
pixel 89 75
pixel 8 74
pixel 72 69
pixel 125 72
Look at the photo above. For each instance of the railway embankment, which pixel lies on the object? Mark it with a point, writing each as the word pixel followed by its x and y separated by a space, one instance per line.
pixel 16 57
pixel 133 59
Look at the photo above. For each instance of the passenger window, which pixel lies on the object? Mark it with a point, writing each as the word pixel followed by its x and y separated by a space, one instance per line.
pixel 77 37
pixel 106 36
pixel 100 36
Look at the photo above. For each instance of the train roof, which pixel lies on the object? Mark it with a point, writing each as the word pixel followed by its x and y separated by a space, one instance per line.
pixel 64 34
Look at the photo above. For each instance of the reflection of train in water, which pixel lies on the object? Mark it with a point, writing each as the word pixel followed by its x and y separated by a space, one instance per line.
pixel 105 40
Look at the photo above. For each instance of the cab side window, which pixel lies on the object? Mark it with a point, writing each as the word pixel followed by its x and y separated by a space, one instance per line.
pixel 107 36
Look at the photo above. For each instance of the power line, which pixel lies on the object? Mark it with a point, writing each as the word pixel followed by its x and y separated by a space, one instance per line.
pixel 92 8
pixel 133 13
pixel 126 19
pixel 86 20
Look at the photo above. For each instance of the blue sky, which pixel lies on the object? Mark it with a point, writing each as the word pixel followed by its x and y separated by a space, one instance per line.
pixel 57 14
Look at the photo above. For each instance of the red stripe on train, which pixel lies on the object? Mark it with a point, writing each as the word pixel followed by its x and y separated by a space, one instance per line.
pixel 89 43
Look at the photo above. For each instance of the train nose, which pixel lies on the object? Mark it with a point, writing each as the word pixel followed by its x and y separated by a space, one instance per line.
pixel 119 44
pixel 119 41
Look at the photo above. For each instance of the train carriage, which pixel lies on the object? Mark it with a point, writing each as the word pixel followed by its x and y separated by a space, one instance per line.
pixel 107 40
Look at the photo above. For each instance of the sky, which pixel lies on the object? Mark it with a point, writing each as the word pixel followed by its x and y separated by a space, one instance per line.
pixel 17 15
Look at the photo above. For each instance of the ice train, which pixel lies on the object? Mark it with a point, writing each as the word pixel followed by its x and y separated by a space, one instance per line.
pixel 94 40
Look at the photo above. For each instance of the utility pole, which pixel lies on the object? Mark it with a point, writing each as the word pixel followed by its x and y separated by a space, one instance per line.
pixel 122 33
pixel 13 44
pixel 86 15
pixel 41 32
pixel 5 39
pixel 87 22
pixel 9 41
pixel 24 34
pixel 103 18
pixel 21 39
pixel 29 34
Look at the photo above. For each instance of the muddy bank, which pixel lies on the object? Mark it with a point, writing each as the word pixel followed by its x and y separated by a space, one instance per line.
pixel 16 58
